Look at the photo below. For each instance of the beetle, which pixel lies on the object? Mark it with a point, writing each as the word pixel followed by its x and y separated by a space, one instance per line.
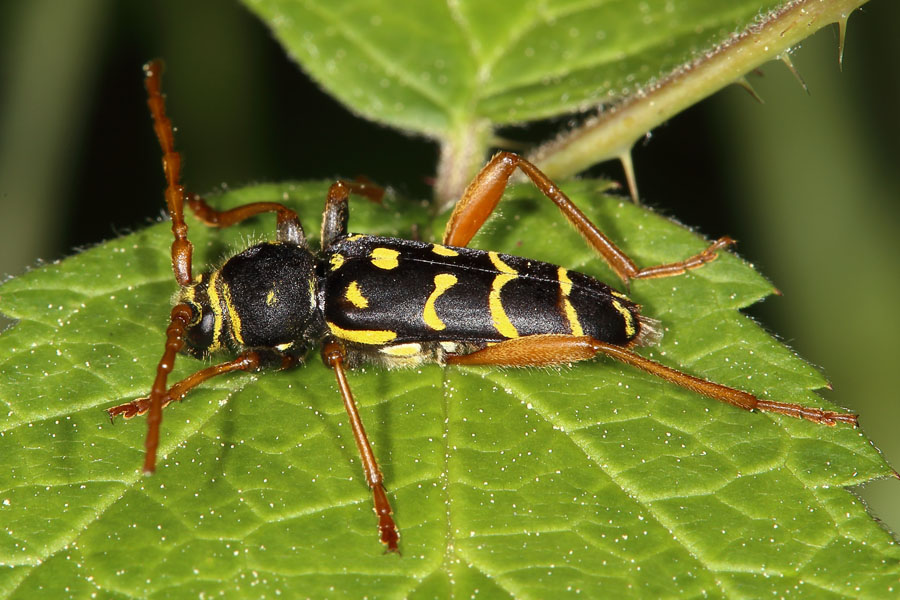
pixel 397 302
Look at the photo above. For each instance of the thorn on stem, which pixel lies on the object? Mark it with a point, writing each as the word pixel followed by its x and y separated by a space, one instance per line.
pixel 745 83
pixel 786 59
pixel 628 167
pixel 842 34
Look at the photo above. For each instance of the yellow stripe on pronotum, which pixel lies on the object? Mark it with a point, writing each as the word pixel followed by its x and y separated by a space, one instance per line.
pixel 442 283
pixel 233 315
pixel 216 304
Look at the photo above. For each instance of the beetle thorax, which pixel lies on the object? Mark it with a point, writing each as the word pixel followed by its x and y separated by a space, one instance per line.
pixel 263 297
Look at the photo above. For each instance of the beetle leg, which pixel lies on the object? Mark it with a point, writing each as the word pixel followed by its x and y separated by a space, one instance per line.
pixel 288 226
pixel 159 397
pixel 333 355
pixel 551 349
pixel 483 194
pixel 334 219
pixel 153 404
pixel 247 361
pixel 181 247
pixel 182 314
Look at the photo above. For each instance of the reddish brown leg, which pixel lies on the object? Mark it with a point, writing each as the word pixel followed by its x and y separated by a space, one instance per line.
pixel 363 186
pixel 481 198
pixel 171 160
pixel 334 218
pixel 248 361
pixel 288 230
pixel 333 355
pixel 181 317
pixel 288 226
pixel 541 350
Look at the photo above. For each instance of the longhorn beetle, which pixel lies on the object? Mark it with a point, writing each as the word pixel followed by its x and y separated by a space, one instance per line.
pixel 397 302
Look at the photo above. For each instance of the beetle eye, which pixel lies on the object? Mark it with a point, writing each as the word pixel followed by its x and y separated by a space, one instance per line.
pixel 199 335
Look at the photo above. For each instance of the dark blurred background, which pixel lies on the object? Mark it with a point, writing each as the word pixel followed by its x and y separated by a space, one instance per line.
pixel 808 184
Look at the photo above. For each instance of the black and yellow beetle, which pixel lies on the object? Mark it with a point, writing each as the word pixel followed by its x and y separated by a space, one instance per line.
pixel 397 302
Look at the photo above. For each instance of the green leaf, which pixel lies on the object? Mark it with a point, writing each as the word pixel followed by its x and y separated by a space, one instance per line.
pixel 591 480
pixel 433 64
pixel 455 71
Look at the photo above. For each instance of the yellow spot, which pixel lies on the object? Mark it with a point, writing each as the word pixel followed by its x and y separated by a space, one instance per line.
pixel 233 315
pixel 565 285
pixel 336 261
pixel 618 294
pixel 312 293
pixel 444 250
pixel 411 349
pixel 271 299
pixel 283 347
pixel 355 236
pixel 355 296
pixel 498 315
pixel 363 336
pixel 384 258
pixel 500 265
pixel 629 318
pixel 442 283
